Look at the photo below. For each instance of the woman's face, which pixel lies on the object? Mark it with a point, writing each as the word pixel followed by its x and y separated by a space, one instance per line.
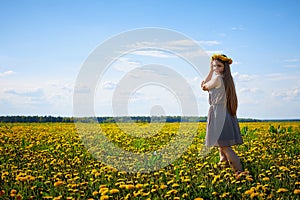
pixel 218 67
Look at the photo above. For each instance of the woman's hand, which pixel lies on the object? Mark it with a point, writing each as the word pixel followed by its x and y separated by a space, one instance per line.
pixel 202 83
pixel 203 86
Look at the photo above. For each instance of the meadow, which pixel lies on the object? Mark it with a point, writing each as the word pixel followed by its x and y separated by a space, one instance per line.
pixel 49 161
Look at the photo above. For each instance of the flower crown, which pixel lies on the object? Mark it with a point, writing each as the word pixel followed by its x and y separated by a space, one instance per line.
pixel 221 57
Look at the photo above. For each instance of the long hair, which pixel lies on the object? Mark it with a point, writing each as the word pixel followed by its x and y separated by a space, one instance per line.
pixel 232 102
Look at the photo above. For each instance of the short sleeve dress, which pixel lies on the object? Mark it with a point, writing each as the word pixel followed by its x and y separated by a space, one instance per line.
pixel 222 128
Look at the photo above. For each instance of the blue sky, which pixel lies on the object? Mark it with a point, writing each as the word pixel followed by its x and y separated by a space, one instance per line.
pixel 44 44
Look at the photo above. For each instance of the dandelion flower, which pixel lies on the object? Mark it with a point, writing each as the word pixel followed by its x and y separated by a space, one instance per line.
pixel 202 186
pixel 145 194
pixel 103 191
pixel 58 183
pixel 266 179
pixel 47 197
pixel 172 192
pixel 296 191
pixel 214 193
pixel 114 191
pixel 139 186
pixel 198 198
pixel 284 168
pixel 163 187
pixel 95 193
pixel 2 192
pixel 175 185
pixel 105 197
pixel 185 195
pixel 281 190
pixel 13 191
pixel 255 194
pixel 249 192
pixel 130 186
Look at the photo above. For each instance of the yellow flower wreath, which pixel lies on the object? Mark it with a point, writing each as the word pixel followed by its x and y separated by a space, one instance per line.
pixel 221 57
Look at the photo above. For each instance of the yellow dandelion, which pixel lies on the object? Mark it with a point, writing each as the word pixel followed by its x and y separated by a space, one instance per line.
pixel 175 185
pixel 163 186
pixel 176 198
pixel 135 194
pixel 172 192
pixel 22 178
pixel 13 191
pixel 102 186
pixel 202 186
pixel 281 190
pixel 255 194
pixel 249 179
pixel 95 193
pixel 139 186
pixel 249 192
pixel 122 186
pixel 47 197
pixel 130 186
pixel 153 190
pixel 114 191
pixel 58 183
pixel 225 194
pixel 283 168
pixel 214 193
pixel 198 198
pixel 185 195
pixel 94 171
pixel 296 191
pixel 216 178
pixel 105 197
pixel 266 179
pixel 145 194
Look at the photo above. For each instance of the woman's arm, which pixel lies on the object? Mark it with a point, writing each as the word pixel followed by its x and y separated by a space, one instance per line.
pixel 210 74
pixel 213 83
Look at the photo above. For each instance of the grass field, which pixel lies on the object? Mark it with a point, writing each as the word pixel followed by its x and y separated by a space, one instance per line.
pixel 48 161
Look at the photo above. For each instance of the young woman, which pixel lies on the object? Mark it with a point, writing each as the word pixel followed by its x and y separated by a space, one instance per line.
pixel 222 125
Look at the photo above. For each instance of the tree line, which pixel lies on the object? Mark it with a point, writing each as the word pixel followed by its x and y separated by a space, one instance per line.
pixel 125 119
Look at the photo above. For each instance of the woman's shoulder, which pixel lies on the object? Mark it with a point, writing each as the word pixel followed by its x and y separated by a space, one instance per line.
pixel 219 76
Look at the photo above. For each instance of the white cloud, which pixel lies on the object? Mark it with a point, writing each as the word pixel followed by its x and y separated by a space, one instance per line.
pixel 188 48
pixel 248 90
pixel 109 85
pixel 244 77
pixel 292 60
pixel 291 94
pixel 124 64
pixel 32 92
pixel 6 73
pixel 236 63
pixel 280 77
pixel 209 42
pixel 153 53
pixel 290 66
pixel 237 28
pixel 211 52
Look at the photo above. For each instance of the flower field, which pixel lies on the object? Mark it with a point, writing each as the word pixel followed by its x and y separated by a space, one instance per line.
pixel 49 161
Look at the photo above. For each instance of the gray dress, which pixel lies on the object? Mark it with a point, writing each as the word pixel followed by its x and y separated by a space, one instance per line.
pixel 222 128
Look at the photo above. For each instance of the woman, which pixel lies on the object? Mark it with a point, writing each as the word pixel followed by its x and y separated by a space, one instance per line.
pixel 222 126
